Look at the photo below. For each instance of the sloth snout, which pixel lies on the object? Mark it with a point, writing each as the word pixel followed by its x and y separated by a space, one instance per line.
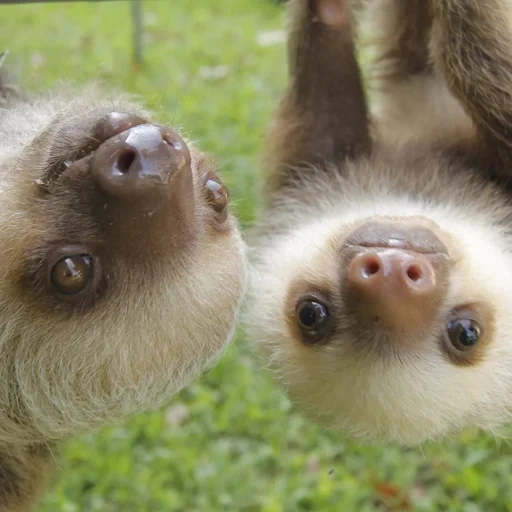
pixel 393 285
pixel 392 272
pixel 144 193
pixel 396 274
pixel 141 162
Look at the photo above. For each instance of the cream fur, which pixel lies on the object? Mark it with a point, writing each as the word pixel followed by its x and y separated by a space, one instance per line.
pixel 412 108
pixel 405 107
pixel 419 395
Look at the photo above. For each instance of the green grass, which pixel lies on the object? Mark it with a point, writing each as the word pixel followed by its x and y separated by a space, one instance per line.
pixel 231 441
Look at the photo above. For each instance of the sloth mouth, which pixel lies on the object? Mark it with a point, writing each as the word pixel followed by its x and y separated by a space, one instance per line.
pixel 54 172
pixel 107 127
pixel 396 235
pixel 404 245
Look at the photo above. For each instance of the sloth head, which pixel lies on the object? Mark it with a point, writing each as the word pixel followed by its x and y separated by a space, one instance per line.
pixel 121 267
pixel 388 316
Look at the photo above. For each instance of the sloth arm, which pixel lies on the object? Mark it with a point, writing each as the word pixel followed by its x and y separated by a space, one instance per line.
pixel 323 115
pixel 472 46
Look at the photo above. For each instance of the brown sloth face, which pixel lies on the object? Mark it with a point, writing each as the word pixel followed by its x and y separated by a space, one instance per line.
pixel 122 268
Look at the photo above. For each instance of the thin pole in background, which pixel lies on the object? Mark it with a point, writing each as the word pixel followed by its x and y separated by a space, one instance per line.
pixel 137 34
pixel 136 19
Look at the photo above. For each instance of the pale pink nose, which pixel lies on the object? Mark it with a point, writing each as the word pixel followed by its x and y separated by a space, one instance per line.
pixel 396 271
pixel 393 284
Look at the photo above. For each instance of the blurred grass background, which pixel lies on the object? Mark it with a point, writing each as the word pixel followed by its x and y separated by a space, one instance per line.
pixel 230 442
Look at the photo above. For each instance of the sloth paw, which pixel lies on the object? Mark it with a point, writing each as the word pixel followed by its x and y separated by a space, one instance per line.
pixel 330 12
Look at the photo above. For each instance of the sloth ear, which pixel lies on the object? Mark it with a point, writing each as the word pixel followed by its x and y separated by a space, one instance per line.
pixel 323 115
pixel 7 89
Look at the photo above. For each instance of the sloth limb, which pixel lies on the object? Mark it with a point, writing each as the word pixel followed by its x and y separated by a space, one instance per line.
pixel 382 261
pixel 122 273
pixel 472 47
pixel 323 115
pixel 449 63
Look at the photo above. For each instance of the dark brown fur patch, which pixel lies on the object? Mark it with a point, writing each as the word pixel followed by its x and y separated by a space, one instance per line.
pixel 406 50
pixel 23 476
pixel 323 115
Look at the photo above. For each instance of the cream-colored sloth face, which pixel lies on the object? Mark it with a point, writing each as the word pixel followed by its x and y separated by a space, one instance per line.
pixel 384 315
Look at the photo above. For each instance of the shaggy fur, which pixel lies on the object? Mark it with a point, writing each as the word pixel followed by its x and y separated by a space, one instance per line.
pixel 162 316
pixel 432 151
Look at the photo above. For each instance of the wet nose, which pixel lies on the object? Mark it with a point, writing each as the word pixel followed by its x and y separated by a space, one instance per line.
pixel 394 271
pixel 140 162
pixel 394 285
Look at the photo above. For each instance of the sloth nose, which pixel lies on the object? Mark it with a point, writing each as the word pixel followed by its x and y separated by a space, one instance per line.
pixel 393 285
pixel 396 274
pixel 140 162
pixel 395 271
pixel 144 196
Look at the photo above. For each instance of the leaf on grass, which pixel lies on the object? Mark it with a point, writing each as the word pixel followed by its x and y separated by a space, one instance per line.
pixel 213 72
pixel 177 415
pixel 271 37
pixel 393 497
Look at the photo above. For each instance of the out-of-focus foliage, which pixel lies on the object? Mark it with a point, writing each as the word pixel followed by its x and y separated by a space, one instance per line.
pixel 230 442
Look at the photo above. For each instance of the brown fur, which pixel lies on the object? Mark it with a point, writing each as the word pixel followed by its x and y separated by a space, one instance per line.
pixel 306 130
pixel 24 475
pixel 170 276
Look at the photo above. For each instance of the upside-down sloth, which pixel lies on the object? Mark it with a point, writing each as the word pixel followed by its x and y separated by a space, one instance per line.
pixel 382 258
pixel 121 272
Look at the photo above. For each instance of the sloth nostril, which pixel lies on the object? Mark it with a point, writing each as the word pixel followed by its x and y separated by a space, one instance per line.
pixel 371 267
pixel 414 273
pixel 125 160
pixel 168 140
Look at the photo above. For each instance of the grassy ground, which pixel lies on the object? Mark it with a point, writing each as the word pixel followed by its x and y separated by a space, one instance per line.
pixel 232 441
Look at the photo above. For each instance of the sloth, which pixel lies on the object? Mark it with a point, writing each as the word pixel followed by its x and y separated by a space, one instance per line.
pixel 122 272
pixel 381 258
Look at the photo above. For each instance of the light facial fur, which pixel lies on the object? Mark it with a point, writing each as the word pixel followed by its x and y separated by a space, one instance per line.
pixel 382 265
pixel 167 272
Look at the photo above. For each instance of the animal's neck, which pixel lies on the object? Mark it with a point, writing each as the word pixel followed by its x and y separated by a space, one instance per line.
pixel 24 475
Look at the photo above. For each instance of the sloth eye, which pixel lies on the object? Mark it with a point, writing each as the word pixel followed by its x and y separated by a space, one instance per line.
pixel 312 315
pixel 217 196
pixel 463 333
pixel 313 318
pixel 72 274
